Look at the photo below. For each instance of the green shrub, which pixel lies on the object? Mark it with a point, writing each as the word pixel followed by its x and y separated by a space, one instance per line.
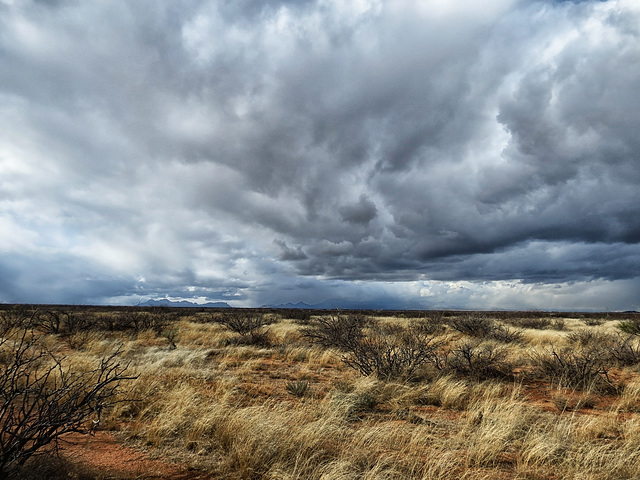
pixel 298 388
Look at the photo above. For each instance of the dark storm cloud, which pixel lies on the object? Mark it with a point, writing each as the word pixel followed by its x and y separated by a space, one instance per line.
pixel 362 212
pixel 217 149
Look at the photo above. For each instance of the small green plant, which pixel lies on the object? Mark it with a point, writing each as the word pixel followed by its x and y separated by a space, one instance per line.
pixel 298 388
pixel 631 327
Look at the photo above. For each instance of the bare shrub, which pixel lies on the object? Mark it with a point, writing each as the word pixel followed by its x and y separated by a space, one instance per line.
pixel 392 353
pixel 624 350
pixel 586 337
pixel 480 326
pixel 474 325
pixel 535 323
pixel 249 326
pixel 17 319
pixel 558 324
pixel 41 399
pixel 506 335
pixel 66 322
pixel 479 361
pixel 584 369
pixel 428 325
pixel 301 316
pixel 337 330
pixel 593 322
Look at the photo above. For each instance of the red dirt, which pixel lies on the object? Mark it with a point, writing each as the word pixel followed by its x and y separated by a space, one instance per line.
pixel 101 452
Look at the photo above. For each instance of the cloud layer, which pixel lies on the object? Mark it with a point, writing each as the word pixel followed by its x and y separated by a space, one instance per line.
pixel 258 152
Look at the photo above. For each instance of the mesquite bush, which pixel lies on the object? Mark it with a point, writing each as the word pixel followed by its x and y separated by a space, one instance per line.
pixel 41 398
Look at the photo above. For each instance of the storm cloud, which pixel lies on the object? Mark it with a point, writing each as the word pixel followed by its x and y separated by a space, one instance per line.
pixel 443 154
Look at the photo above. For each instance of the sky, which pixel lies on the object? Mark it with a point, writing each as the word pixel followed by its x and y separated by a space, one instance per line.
pixel 424 154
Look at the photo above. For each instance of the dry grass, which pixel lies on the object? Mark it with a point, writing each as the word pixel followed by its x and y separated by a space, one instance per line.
pixel 225 409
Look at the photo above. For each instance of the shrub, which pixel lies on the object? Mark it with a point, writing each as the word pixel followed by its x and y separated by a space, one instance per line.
pixel 583 369
pixel 354 404
pixel 63 322
pixel 298 388
pixel 156 319
pixel 249 327
pixel 631 327
pixel 474 325
pixel 172 335
pixel 479 361
pixel 536 323
pixel 301 316
pixel 506 335
pixel 40 399
pixel 624 350
pixel 480 326
pixel 588 337
pixel 558 324
pixel 593 322
pixel 391 353
pixel 339 331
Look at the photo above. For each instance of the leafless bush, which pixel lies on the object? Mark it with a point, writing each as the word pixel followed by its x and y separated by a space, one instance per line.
pixel 558 324
pixel 16 319
pixel 593 322
pixel 249 327
pixel 585 368
pixel 428 326
pixel 336 331
pixel 156 319
pixel 588 337
pixel 505 334
pixel 65 322
pixel 480 326
pixel 301 316
pixel 624 350
pixel 41 399
pixel 392 354
pixel 474 325
pixel 479 361
pixel 536 323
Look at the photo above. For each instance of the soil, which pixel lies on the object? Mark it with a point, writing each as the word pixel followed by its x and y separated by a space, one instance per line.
pixel 102 453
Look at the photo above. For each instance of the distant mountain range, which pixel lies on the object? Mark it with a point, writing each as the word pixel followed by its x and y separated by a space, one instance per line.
pixel 184 303
pixel 326 305
pixel 352 305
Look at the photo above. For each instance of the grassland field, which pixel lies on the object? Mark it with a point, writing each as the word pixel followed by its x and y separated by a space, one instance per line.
pixel 326 395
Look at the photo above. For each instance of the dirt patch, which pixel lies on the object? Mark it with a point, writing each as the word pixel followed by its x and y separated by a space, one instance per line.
pixel 102 453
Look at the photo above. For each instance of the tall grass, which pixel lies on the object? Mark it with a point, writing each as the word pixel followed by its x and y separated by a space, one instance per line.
pixel 223 407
